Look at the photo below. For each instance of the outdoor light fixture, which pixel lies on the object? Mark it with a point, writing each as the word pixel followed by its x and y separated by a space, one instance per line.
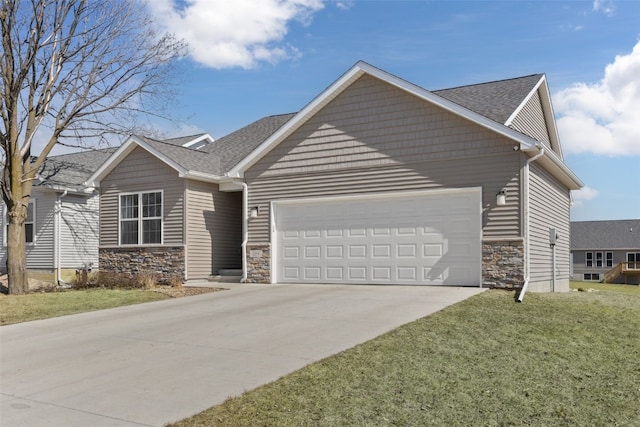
pixel 254 212
pixel 501 198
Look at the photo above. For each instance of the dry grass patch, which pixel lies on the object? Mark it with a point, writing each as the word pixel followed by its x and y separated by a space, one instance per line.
pixel 43 305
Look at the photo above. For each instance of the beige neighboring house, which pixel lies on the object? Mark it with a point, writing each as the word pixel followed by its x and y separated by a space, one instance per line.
pixel 375 181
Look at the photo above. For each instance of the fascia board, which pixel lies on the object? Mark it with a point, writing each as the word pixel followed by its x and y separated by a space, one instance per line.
pixel 346 80
pixel 198 139
pixel 552 163
pixel 547 106
pixel 200 176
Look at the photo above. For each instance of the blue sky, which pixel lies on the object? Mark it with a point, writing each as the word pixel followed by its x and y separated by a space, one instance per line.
pixel 253 58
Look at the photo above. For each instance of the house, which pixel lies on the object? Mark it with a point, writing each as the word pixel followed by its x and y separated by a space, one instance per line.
pixel 606 251
pixel 375 181
pixel 62 217
pixel 62 228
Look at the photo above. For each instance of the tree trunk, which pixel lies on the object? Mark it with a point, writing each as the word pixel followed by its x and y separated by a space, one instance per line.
pixel 17 255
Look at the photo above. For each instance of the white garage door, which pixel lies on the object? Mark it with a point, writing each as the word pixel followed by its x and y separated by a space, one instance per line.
pixel 414 238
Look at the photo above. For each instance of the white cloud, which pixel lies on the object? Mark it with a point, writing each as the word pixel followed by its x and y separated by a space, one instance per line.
pixel 237 33
pixel 582 195
pixel 602 118
pixel 604 6
pixel 344 4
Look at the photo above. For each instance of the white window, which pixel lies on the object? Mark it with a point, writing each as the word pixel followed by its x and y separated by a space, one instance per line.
pixel 589 259
pixel 140 218
pixel 599 259
pixel 591 276
pixel 633 260
pixel 609 259
pixel 29 224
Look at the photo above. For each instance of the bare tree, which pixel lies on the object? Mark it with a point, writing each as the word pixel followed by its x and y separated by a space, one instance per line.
pixel 71 70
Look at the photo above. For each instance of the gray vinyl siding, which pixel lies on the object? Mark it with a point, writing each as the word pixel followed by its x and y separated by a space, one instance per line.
pixel 79 231
pixel 40 253
pixel 549 208
pixel 213 230
pixel 375 138
pixel 530 121
pixel 140 171
pixel 580 261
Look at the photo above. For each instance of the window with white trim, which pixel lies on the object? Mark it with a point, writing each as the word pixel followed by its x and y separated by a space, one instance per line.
pixel 29 224
pixel 140 218
pixel 589 259
pixel 591 276
pixel 599 259
pixel 609 259
pixel 633 260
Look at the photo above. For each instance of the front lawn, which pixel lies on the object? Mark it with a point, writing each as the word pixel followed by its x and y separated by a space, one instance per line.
pixel 554 360
pixel 22 308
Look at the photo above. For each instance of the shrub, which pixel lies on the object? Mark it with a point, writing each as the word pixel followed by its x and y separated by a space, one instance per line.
pixel 146 280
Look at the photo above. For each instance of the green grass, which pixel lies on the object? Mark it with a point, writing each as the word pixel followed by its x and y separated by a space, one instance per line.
pixel 554 360
pixel 22 308
pixel 606 287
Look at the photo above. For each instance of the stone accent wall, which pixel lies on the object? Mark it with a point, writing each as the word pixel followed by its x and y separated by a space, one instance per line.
pixel 258 263
pixel 503 264
pixel 166 261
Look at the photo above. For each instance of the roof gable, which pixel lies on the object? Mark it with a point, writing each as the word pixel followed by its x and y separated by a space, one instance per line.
pixel 525 142
pixel 187 162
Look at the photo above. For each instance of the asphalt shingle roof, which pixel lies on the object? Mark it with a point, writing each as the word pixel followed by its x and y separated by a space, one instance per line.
pixel 189 159
pixel 72 170
pixel 234 147
pixel 494 100
pixel 618 234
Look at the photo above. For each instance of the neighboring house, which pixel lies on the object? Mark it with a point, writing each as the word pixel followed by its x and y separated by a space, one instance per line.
pixel 62 218
pixel 606 251
pixel 62 227
pixel 375 181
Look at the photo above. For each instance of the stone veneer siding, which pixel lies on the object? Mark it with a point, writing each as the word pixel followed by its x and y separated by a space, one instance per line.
pixel 502 264
pixel 258 263
pixel 168 262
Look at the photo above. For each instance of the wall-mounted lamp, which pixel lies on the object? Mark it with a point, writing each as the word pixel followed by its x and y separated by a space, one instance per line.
pixel 501 198
pixel 253 213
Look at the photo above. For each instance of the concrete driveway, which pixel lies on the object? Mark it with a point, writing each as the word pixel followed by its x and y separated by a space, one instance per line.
pixel 149 364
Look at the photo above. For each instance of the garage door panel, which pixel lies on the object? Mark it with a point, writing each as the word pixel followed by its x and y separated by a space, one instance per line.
pixel 402 240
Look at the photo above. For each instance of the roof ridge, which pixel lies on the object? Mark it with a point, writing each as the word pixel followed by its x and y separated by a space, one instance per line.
pixel 489 82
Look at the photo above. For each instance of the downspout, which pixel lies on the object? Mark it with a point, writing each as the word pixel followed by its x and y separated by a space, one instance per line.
pixel 59 235
pixel 245 229
pixel 527 250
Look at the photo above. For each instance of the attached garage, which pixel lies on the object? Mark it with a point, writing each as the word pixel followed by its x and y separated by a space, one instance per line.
pixel 408 238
